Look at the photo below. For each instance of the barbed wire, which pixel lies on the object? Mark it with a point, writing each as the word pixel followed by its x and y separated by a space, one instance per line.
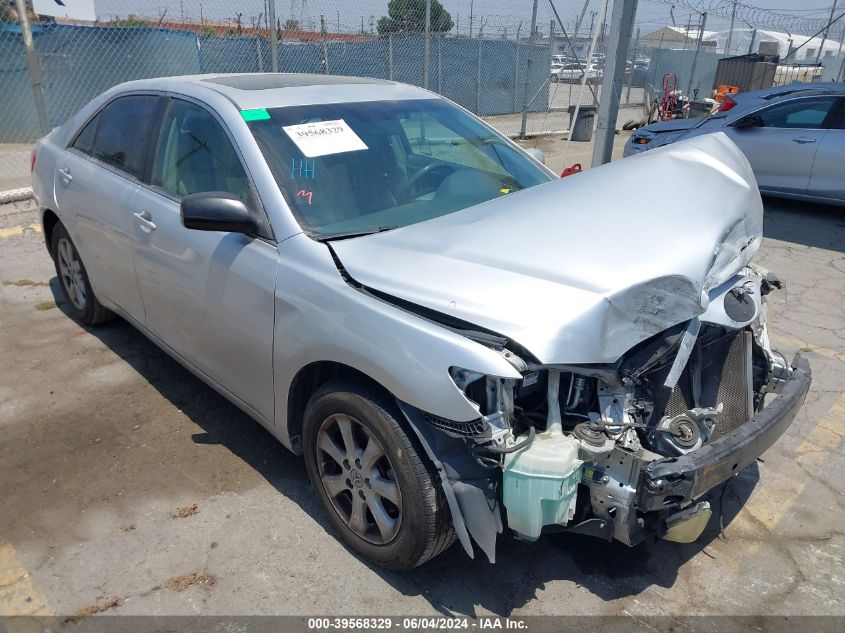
pixel 753 16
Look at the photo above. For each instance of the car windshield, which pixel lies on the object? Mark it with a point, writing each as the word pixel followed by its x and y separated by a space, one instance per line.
pixel 355 168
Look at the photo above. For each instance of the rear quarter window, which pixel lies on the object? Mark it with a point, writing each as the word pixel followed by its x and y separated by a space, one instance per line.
pixel 85 139
pixel 124 129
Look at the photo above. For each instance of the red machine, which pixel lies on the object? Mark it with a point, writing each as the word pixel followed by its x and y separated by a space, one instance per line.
pixel 667 105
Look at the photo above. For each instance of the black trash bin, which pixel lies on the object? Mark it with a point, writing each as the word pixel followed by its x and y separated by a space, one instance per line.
pixel 582 129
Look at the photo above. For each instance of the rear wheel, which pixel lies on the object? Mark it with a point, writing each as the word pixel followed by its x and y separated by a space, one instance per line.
pixel 381 494
pixel 73 279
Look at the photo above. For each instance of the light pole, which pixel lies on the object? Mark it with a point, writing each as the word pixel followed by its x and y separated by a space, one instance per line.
pixel 34 66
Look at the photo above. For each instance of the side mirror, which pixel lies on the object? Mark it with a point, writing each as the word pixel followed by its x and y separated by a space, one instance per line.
pixel 216 211
pixel 536 154
pixel 748 121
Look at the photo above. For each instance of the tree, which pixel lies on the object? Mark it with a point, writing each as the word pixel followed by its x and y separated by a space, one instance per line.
pixel 291 24
pixel 130 22
pixel 408 16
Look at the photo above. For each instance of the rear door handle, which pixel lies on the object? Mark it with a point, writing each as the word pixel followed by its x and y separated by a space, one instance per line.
pixel 804 139
pixel 146 221
pixel 64 175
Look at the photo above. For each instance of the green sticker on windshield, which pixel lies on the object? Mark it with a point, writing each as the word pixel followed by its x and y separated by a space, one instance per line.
pixel 255 115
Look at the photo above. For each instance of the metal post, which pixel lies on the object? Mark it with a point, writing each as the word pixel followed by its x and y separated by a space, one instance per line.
pixel 841 39
pixel 478 80
pixel 516 73
pixel 751 45
pixel 470 18
pixel 633 64
pixel 34 66
pixel 325 46
pixel 426 43
pixel 697 48
pixel 686 34
pixel 390 56
pixel 621 26
pixel 274 37
pixel 653 63
pixel 593 40
pixel 259 54
pixel 824 33
pixel 440 64
pixel 731 31
pixel 524 126
pixel 578 23
pixel 551 41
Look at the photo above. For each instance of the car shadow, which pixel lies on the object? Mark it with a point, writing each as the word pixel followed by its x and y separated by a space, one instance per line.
pixel 451 583
pixel 220 421
pixel 811 224
pixel 455 586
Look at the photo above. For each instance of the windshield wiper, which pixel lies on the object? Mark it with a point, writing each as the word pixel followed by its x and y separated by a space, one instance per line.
pixel 344 236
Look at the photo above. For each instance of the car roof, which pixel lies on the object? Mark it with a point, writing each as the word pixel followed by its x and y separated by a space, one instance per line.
pixel 268 90
pixel 789 90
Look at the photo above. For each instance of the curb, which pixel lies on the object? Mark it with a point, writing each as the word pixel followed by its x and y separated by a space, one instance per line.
pixel 15 195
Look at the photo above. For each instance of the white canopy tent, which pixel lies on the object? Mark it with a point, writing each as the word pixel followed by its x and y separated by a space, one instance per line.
pixel 780 44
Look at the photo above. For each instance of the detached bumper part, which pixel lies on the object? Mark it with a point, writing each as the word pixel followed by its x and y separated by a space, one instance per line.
pixel 678 480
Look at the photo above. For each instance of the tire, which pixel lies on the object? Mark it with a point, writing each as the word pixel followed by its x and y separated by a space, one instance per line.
pixel 554 79
pixel 76 288
pixel 401 487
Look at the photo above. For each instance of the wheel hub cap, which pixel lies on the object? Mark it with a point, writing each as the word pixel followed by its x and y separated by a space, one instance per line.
pixel 70 270
pixel 359 479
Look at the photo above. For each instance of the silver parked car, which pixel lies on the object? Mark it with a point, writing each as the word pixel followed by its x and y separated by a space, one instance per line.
pixel 455 339
pixel 793 136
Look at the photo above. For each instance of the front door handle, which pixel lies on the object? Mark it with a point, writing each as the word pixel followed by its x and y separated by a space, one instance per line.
pixel 804 140
pixel 146 221
pixel 64 175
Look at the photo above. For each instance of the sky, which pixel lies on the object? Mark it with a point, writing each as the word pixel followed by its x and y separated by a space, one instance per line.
pixel 498 15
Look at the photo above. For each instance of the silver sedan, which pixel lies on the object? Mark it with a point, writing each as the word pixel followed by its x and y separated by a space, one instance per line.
pixel 793 136
pixel 456 340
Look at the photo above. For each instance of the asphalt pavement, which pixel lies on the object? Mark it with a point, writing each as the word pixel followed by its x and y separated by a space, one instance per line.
pixel 129 487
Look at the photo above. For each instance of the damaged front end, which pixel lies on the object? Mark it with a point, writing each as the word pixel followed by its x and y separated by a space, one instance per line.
pixel 625 450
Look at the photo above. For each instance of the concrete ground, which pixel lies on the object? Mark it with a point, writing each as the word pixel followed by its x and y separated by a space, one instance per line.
pixel 128 485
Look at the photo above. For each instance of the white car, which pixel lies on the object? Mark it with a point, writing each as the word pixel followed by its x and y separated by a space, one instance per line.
pixel 572 72
pixel 456 340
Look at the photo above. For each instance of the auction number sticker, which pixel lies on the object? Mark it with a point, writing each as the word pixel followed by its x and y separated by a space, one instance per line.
pixel 324 137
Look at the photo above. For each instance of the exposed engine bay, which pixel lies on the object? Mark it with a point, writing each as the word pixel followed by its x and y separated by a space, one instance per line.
pixel 570 447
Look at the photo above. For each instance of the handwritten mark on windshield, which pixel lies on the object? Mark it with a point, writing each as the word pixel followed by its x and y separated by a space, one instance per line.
pixel 305 169
pixel 304 194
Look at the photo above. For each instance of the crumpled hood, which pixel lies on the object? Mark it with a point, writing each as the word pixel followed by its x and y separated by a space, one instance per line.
pixel 580 270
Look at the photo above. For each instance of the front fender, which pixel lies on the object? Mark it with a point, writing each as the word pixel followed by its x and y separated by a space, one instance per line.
pixel 321 317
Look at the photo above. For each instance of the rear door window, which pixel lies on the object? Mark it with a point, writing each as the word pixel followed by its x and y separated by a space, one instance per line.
pixel 124 129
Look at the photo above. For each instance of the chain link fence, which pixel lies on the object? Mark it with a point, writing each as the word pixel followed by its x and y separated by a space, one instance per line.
pixel 522 80
pixel 522 65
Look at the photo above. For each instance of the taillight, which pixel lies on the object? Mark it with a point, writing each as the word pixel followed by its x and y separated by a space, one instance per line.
pixel 727 104
pixel 32 158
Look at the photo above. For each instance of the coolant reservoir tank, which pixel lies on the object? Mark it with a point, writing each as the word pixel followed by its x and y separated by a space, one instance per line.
pixel 541 482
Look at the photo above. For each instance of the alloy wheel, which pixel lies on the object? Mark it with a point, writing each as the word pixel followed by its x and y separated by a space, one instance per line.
pixel 73 277
pixel 359 479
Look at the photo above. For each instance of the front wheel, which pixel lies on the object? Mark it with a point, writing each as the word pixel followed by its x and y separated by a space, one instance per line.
pixel 73 279
pixel 381 494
